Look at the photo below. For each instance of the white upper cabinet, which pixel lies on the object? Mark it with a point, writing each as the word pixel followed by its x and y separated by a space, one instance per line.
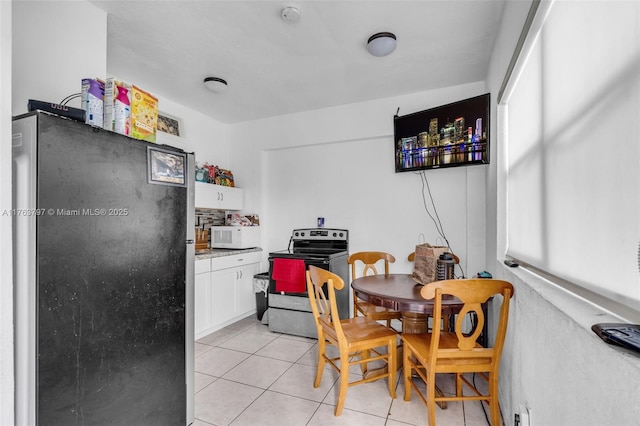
pixel 218 197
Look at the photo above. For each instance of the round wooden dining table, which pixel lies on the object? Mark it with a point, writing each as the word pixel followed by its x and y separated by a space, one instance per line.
pixel 401 292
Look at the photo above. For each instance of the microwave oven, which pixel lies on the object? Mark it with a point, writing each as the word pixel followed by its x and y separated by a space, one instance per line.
pixel 235 237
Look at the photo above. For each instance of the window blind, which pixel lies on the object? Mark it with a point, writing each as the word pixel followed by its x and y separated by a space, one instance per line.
pixel 573 141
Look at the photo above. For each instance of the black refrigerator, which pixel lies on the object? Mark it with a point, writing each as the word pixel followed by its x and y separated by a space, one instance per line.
pixel 103 276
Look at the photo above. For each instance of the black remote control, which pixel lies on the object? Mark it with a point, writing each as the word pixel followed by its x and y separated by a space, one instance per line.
pixel 625 335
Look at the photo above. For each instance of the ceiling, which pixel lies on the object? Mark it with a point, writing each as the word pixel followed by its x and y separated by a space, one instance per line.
pixel 274 67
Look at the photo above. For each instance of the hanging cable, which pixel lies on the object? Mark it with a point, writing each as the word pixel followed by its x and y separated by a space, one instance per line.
pixel 436 219
pixel 70 97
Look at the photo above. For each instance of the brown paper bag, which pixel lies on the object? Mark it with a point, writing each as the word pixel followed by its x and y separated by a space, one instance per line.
pixel 426 262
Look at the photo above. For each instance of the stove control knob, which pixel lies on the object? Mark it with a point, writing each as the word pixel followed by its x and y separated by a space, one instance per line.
pixel 302 234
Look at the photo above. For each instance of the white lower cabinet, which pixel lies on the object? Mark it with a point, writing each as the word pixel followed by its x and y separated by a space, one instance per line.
pixel 224 290
pixel 245 296
pixel 223 295
pixel 202 294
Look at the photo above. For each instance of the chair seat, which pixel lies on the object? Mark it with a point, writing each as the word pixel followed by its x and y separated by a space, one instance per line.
pixel 448 341
pixel 377 312
pixel 362 328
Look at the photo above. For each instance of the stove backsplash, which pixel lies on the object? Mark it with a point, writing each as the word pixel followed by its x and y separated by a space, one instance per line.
pixel 206 218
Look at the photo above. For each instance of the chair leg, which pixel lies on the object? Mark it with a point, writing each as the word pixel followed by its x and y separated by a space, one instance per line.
pixel 431 397
pixel 406 372
pixel 322 347
pixel 391 367
pixel 344 381
pixel 459 384
pixel 365 354
pixel 494 406
pixel 446 323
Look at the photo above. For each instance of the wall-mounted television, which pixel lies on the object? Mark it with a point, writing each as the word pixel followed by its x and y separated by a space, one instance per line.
pixel 455 134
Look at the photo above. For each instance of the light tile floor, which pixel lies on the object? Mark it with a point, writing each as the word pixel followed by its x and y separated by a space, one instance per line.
pixel 247 375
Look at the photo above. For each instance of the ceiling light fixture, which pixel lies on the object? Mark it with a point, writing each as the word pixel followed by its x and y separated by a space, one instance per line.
pixel 290 14
pixel 215 84
pixel 381 44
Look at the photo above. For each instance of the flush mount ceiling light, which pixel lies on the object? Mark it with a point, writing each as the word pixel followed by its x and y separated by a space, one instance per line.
pixel 290 14
pixel 215 84
pixel 381 44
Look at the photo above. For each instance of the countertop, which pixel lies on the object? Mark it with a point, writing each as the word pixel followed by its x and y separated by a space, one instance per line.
pixel 209 253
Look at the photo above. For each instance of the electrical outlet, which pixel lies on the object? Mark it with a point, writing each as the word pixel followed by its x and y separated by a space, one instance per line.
pixel 523 418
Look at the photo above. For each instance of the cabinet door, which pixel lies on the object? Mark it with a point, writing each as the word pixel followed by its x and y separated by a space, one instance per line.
pixel 230 198
pixel 245 295
pixel 218 197
pixel 223 295
pixel 205 196
pixel 202 305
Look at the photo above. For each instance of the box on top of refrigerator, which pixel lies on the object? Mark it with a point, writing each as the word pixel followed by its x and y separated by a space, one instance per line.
pixel 144 114
pixel 92 101
pixel 117 106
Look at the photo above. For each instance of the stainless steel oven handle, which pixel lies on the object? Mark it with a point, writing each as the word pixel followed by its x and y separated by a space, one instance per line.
pixel 322 260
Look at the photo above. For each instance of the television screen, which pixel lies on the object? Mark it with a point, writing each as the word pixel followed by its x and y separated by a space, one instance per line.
pixel 455 134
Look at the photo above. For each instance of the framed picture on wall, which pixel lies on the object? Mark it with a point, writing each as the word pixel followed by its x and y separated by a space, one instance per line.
pixel 169 124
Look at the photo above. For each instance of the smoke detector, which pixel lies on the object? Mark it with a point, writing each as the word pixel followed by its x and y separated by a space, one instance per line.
pixel 290 14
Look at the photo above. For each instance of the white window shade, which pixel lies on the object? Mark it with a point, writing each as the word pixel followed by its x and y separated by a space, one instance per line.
pixel 573 130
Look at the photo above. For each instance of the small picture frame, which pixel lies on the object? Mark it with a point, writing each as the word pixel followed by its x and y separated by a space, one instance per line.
pixel 165 167
pixel 169 124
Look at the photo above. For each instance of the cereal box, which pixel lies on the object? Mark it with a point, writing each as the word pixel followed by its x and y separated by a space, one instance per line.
pixel 117 106
pixel 144 114
pixel 92 100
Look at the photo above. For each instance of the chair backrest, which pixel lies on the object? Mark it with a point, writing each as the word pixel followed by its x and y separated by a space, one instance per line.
pixel 369 260
pixel 473 293
pixel 323 305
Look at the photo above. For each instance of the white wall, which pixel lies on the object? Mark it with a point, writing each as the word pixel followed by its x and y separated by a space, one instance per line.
pixel 552 362
pixel 53 52
pixel 206 137
pixel 338 163
pixel 6 283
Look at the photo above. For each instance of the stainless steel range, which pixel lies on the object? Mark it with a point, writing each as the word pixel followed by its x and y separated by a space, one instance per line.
pixel 289 309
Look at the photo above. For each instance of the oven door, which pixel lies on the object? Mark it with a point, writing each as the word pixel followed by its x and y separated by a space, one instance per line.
pixel 318 261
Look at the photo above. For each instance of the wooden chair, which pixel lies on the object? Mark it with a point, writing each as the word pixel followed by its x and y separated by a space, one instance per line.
pixel 355 338
pixel 455 352
pixel 369 259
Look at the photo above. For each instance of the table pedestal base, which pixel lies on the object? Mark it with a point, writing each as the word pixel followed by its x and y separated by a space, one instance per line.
pixel 414 323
